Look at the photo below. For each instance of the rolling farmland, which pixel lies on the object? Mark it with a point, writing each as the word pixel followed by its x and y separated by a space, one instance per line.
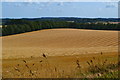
pixel 59 42
pixel 61 47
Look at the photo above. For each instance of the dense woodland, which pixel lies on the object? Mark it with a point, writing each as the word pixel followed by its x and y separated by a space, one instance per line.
pixel 16 26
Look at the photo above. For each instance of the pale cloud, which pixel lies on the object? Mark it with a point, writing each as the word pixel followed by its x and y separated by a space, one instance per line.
pixel 18 5
pixel 60 4
pixel 111 5
pixel 35 5
pixel 60 0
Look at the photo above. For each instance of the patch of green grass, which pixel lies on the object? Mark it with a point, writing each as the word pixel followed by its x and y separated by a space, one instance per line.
pixel 101 68
pixel 113 74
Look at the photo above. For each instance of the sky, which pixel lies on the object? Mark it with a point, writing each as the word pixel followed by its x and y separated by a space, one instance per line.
pixel 59 9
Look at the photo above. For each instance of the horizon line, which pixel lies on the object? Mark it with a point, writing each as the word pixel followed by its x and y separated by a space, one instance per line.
pixel 52 17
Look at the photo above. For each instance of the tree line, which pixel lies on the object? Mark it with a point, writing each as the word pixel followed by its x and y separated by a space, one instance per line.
pixel 17 26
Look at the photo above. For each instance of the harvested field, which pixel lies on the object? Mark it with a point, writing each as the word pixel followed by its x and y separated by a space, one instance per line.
pixel 56 66
pixel 59 42
pixel 66 53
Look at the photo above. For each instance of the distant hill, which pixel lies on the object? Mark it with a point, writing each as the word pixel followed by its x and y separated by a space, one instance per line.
pixel 75 19
pixel 17 26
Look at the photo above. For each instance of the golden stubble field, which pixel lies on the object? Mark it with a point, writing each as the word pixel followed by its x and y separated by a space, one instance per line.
pixel 64 48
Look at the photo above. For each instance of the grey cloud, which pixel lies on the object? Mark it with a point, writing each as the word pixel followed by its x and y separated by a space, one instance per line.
pixel 110 6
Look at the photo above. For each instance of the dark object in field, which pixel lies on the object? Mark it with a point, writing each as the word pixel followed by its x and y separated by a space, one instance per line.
pixel 44 56
pixel 99 74
pixel 24 61
pixel 91 61
pixel 55 69
pixel 78 64
pixel 16 69
pixel 31 72
pixel 27 66
pixel 88 63
pixel 93 57
pixel 41 61
pixel 118 63
pixel 18 65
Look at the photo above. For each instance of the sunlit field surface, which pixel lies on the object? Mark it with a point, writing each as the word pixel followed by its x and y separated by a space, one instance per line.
pixel 60 53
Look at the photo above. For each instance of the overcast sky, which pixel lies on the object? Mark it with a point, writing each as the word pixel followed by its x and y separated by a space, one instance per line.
pixel 59 9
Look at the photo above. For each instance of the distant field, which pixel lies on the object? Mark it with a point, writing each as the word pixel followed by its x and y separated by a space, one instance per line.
pixel 59 42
